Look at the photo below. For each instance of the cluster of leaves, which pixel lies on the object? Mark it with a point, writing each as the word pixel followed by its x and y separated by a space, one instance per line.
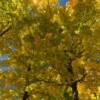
pixel 50 48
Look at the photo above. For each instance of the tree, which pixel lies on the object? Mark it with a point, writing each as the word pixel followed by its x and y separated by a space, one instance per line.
pixel 53 50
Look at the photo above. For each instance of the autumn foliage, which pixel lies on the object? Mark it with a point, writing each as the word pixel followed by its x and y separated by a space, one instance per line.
pixel 49 51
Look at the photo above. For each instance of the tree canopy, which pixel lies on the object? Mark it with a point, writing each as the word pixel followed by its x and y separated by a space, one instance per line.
pixel 49 51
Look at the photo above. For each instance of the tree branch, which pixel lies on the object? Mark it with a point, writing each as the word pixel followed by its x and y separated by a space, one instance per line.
pixel 72 83
pixel 5 30
pixel 81 79
pixel 25 96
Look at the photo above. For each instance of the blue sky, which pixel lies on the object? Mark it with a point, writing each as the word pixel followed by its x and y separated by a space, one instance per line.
pixel 6 68
pixel 4 57
pixel 63 2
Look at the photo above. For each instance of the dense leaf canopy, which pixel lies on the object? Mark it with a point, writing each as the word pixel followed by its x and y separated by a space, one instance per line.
pixel 49 51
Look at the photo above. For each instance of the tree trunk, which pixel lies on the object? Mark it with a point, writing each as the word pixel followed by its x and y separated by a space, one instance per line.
pixel 74 84
pixel 25 96
pixel 75 91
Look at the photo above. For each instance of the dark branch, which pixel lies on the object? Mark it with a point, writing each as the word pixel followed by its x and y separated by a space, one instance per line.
pixel 72 84
pixel 75 91
pixel 82 79
pixel 25 96
pixel 5 30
